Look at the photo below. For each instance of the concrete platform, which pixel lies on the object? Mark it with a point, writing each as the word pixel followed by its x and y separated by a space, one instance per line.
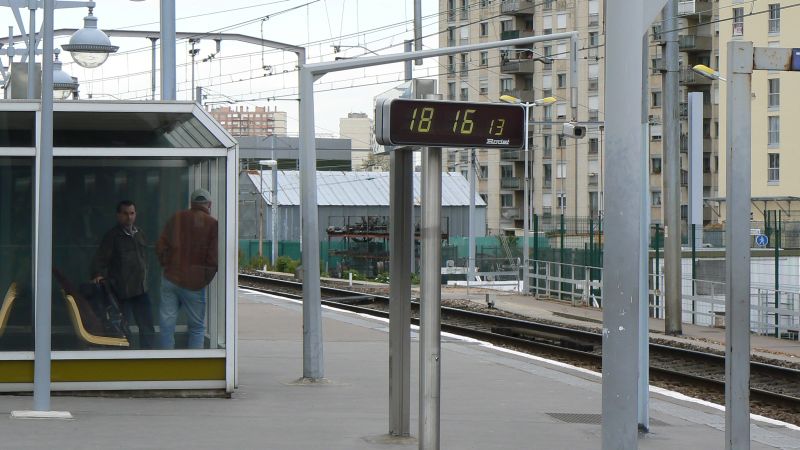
pixel 491 399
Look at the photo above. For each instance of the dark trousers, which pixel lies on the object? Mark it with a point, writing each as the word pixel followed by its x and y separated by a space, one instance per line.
pixel 137 309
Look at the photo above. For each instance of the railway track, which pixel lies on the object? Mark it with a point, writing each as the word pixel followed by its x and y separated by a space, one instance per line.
pixel 773 388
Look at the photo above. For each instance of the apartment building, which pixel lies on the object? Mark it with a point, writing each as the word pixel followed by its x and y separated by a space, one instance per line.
pixel 774 134
pixel 358 128
pixel 242 121
pixel 565 173
pixel 698 43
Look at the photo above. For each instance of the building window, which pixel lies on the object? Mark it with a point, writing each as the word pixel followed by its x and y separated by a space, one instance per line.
pixel 561 200
pixel 451 64
pixel 506 171
pixel 561 80
pixel 774 171
pixel 655 165
pixel 506 84
pixel 484 59
pixel 464 66
pixel 593 146
pixel 464 94
pixel 485 3
pixel 484 29
pixel 507 200
pixel 561 110
pixel 451 10
pixel 773 131
pixel 774 17
pixel 561 21
pixel 738 21
pixel 484 172
pixel 547 176
pixel 547 5
pixel 451 90
pixel 483 86
pixel 655 99
pixel 562 141
pixel 655 199
pixel 774 98
pixel 561 169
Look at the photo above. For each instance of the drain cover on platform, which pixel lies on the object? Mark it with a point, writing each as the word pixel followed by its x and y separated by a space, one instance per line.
pixel 593 419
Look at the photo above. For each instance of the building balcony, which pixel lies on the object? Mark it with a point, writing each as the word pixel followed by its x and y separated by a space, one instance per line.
pixel 510 212
pixel 514 34
pixel 510 183
pixel 526 95
pixel 517 7
pixel 517 66
pixel 695 7
pixel 690 78
pixel 510 154
pixel 694 43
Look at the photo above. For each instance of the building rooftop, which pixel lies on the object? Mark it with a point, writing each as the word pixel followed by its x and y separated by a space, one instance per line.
pixel 337 188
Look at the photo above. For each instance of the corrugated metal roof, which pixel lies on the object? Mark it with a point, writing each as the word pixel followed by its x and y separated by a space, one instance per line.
pixel 336 188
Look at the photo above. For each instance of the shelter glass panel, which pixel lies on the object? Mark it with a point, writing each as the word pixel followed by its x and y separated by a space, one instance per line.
pixel 138 253
pixel 17 128
pixel 16 253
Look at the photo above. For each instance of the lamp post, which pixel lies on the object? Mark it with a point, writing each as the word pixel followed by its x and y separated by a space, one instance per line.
pixel 526 203
pixel 89 53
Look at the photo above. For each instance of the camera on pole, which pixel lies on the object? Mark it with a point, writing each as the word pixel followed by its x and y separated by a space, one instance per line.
pixel 574 131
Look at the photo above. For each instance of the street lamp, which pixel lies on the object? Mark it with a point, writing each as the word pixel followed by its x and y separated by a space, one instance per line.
pixel 63 84
pixel 526 204
pixel 89 46
pixel 274 200
pixel 707 72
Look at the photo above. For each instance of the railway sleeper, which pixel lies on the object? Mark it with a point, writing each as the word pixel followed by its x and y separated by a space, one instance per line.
pixel 542 336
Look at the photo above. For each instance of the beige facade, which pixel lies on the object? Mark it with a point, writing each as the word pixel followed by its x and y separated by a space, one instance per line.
pixel 565 173
pixel 358 128
pixel 774 133
pixel 697 44
pixel 242 121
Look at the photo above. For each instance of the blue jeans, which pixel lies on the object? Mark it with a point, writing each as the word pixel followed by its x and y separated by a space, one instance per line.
pixel 194 304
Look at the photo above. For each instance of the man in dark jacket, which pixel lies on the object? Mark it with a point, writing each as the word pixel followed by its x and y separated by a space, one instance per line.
pixel 121 260
pixel 187 250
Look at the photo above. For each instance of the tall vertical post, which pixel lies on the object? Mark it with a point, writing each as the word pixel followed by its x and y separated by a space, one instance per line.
pixel 672 172
pixel 695 104
pixel 418 28
pixel 401 178
pixel 526 206
pixel 623 217
pixel 274 234
pixel 312 305
pixel 168 62
pixel 44 222
pixel 430 299
pixel 153 41
pixel 644 235
pixel 260 206
pixel 737 245
pixel 32 52
pixel 471 242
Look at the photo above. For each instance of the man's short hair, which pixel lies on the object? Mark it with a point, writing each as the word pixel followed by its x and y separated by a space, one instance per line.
pixel 200 196
pixel 124 204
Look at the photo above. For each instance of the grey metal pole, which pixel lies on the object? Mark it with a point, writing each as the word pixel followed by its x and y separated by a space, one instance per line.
pixel 695 101
pixel 418 28
pixel 44 223
pixel 526 207
pixel 193 53
pixel 168 50
pixel 400 232
pixel 198 95
pixel 471 243
pixel 573 81
pixel 672 173
pixel 644 235
pixel 312 307
pixel 153 41
pixel 32 52
pixel 261 207
pixel 430 298
pixel 274 234
pixel 622 225
pixel 737 246
pixel 401 239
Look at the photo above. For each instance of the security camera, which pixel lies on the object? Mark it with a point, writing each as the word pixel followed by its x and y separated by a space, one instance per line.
pixel 574 131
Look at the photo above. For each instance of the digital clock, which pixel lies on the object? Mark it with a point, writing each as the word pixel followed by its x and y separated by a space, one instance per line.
pixel 450 124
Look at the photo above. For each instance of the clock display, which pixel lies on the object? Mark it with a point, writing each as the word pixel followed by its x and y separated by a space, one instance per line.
pixel 455 124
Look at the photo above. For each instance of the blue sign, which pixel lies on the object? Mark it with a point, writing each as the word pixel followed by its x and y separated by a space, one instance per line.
pixel 796 59
pixel 762 240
